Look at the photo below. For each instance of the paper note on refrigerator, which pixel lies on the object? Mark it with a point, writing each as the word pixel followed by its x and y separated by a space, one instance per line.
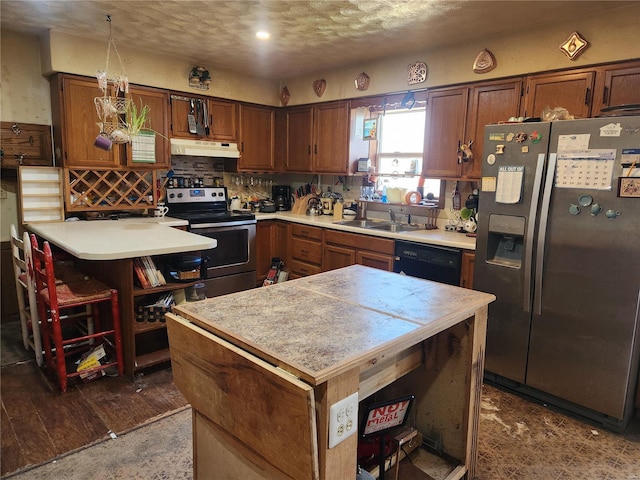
pixel 509 188
pixel 592 169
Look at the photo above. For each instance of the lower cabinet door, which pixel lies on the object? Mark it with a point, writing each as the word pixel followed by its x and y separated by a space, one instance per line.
pixel 375 260
pixel 337 257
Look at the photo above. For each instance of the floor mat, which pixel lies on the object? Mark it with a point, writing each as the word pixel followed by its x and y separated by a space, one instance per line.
pixel 155 451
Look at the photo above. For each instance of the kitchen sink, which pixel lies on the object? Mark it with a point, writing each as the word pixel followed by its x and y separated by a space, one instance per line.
pixel 362 223
pixel 379 225
pixel 395 227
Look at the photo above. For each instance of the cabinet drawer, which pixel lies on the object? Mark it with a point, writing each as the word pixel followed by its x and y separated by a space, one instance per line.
pixel 25 144
pixel 360 242
pixel 305 231
pixel 301 269
pixel 306 250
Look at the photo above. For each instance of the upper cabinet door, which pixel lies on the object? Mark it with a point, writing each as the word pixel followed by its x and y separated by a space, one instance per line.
pixel 158 103
pixel 490 103
pixel 299 139
pixel 223 120
pixel 75 124
pixel 572 91
pixel 180 110
pixel 331 146
pixel 617 86
pixel 257 138
pixel 444 128
pixel 221 115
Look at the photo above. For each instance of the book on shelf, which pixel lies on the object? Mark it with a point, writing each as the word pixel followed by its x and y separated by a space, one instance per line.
pixel 148 274
pixel 138 267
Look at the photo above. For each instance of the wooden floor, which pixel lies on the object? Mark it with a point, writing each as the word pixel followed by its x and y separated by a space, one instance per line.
pixel 38 422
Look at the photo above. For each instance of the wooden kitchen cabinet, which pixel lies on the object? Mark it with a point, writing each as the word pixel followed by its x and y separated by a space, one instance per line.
pixel 145 343
pixel 444 128
pixel 468 262
pixel 487 104
pixel 459 114
pixel 331 132
pixel 342 249
pixel 257 138
pixel 305 250
pixel 271 241
pixel 299 139
pixel 75 125
pixel 25 144
pixel 265 239
pixel 222 114
pixel 158 121
pixel 317 138
pixel 571 90
pixel 616 85
pixel 389 351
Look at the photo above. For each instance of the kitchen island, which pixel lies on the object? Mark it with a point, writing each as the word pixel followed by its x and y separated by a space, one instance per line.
pixel 262 368
pixel 106 249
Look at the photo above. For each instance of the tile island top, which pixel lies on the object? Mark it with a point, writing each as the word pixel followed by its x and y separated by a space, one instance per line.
pixel 123 238
pixel 319 326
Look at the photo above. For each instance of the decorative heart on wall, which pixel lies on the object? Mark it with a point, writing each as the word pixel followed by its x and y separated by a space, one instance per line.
pixel 319 86
pixel 285 96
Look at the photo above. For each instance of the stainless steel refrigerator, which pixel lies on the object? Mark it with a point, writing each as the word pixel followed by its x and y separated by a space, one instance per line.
pixel 558 243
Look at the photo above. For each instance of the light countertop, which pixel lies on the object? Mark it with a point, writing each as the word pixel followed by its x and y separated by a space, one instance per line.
pixel 433 237
pixel 122 238
pixel 318 326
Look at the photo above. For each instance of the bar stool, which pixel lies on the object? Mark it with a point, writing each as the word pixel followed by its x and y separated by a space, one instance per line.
pixel 68 336
pixel 26 292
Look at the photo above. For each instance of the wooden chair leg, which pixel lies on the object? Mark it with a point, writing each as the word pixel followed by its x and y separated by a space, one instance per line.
pixel 60 361
pixel 117 331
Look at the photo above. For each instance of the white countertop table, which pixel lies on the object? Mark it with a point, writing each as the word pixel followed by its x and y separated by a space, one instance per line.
pixel 122 238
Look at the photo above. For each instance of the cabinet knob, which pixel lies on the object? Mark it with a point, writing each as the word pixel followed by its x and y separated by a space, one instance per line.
pixel 16 129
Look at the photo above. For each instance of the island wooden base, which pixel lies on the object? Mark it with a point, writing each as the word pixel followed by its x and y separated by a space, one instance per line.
pixel 444 372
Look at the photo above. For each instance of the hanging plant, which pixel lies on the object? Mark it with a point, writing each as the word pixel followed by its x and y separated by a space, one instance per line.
pixel 136 119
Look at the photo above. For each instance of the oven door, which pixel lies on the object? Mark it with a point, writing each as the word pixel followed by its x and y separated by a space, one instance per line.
pixel 236 250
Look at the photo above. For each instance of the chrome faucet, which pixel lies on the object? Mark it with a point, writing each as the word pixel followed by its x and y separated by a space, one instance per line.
pixel 392 215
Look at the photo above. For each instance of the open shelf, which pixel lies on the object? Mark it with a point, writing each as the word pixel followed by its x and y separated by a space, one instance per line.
pixel 153 358
pixel 137 291
pixel 141 327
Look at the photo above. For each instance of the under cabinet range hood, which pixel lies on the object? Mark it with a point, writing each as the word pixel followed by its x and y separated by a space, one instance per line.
pixel 202 148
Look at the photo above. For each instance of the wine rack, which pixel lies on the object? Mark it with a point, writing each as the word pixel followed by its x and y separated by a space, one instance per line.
pixel 109 189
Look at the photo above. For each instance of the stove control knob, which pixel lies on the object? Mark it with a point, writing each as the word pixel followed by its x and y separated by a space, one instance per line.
pixel 179 195
pixel 213 194
pixel 172 195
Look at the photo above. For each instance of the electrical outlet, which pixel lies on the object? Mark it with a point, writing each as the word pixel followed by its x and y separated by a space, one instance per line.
pixel 343 419
pixel 3 193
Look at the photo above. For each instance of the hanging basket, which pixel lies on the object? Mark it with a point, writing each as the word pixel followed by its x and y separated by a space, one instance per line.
pixel 116 130
pixel 111 106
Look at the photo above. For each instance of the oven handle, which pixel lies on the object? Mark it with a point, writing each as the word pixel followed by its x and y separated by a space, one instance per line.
pixel 237 223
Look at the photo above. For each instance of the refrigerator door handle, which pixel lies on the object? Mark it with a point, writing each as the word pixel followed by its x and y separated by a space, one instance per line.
pixel 531 226
pixel 542 231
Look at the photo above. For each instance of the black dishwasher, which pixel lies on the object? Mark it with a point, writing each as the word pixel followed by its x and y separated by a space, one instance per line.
pixel 440 264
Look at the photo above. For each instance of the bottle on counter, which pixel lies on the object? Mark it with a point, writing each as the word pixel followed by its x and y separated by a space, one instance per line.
pixel 337 209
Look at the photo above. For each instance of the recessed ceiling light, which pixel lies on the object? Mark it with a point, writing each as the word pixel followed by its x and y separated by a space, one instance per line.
pixel 262 35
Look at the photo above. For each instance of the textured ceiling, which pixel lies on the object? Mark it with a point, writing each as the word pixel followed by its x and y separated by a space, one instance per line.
pixel 307 36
